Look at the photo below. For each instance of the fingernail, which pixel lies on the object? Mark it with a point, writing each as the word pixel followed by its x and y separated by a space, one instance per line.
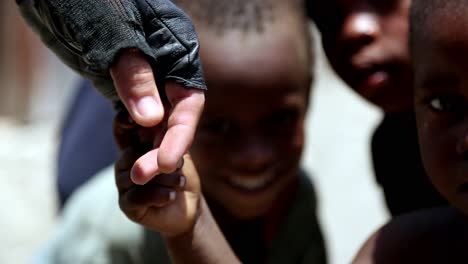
pixel 182 182
pixel 180 164
pixel 134 180
pixel 172 195
pixel 147 106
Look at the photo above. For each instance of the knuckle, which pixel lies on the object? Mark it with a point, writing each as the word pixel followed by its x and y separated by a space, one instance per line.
pixel 125 208
pixel 134 71
pixel 125 161
pixel 141 76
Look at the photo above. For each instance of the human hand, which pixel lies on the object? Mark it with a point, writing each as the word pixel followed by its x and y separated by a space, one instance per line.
pixel 166 203
pixel 126 48
pixel 135 84
pixel 171 204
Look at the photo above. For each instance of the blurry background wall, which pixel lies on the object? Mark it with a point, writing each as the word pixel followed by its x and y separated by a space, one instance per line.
pixel 34 89
pixel 30 75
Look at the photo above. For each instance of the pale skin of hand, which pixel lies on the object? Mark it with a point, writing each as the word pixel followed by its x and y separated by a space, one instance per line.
pixel 136 86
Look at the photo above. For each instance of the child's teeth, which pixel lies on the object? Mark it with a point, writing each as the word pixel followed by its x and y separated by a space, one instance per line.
pixel 251 182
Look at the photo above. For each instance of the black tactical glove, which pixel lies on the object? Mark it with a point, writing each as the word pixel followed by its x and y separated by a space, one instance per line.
pixel 88 34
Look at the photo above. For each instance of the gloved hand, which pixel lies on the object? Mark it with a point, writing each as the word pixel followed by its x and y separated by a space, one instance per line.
pixel 88 35
pixel 131 50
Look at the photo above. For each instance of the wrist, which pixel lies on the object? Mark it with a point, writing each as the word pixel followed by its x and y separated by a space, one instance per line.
pixel 199 224
pixel 203 243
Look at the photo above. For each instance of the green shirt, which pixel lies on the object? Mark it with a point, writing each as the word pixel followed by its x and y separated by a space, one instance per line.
pixel 93 230
pixel 298 240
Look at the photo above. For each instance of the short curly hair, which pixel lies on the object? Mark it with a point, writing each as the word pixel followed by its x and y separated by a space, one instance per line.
pixel 423 10
pixel 222 15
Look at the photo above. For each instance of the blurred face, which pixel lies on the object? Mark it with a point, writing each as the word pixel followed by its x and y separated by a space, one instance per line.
pixel 250 138
pixel 366 44
pixel 441 91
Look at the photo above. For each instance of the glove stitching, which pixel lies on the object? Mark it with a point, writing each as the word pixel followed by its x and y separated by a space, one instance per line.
pixel 184 81
pixel 168 28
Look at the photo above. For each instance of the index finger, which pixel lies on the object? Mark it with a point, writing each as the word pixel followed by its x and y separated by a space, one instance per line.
pixel 187 107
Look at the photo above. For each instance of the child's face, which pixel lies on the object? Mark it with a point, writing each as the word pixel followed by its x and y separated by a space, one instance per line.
pixel 366 44
pixel 249 142
pixel 441 103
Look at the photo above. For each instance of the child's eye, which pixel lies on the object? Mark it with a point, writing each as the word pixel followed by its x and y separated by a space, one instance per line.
pixel 217 126
pixel 284 117
pixel 447 103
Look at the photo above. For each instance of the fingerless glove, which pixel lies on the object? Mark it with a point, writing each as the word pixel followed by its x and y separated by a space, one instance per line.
pixel 87 35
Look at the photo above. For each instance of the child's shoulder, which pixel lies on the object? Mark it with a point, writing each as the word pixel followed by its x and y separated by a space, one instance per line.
pixel 426 236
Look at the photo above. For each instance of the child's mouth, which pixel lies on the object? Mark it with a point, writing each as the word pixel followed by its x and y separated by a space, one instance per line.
pixel 251 183
pixel 372 81
pixel 377 78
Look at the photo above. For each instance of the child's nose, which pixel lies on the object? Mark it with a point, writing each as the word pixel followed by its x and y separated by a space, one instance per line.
pixel 253 155
pixel 359 29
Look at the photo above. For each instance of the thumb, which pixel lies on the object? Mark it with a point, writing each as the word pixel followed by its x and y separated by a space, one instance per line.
pixel 135 84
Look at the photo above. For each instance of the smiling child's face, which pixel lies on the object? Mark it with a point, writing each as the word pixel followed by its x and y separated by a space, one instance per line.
pixel 440 50
pixel 249 142
pixel 366 44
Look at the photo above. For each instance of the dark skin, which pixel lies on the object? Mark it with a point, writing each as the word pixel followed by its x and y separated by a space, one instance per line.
pixel 183 219
pixel 366 44
pixel 247 148
pixel 432 236
pixel 441 103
